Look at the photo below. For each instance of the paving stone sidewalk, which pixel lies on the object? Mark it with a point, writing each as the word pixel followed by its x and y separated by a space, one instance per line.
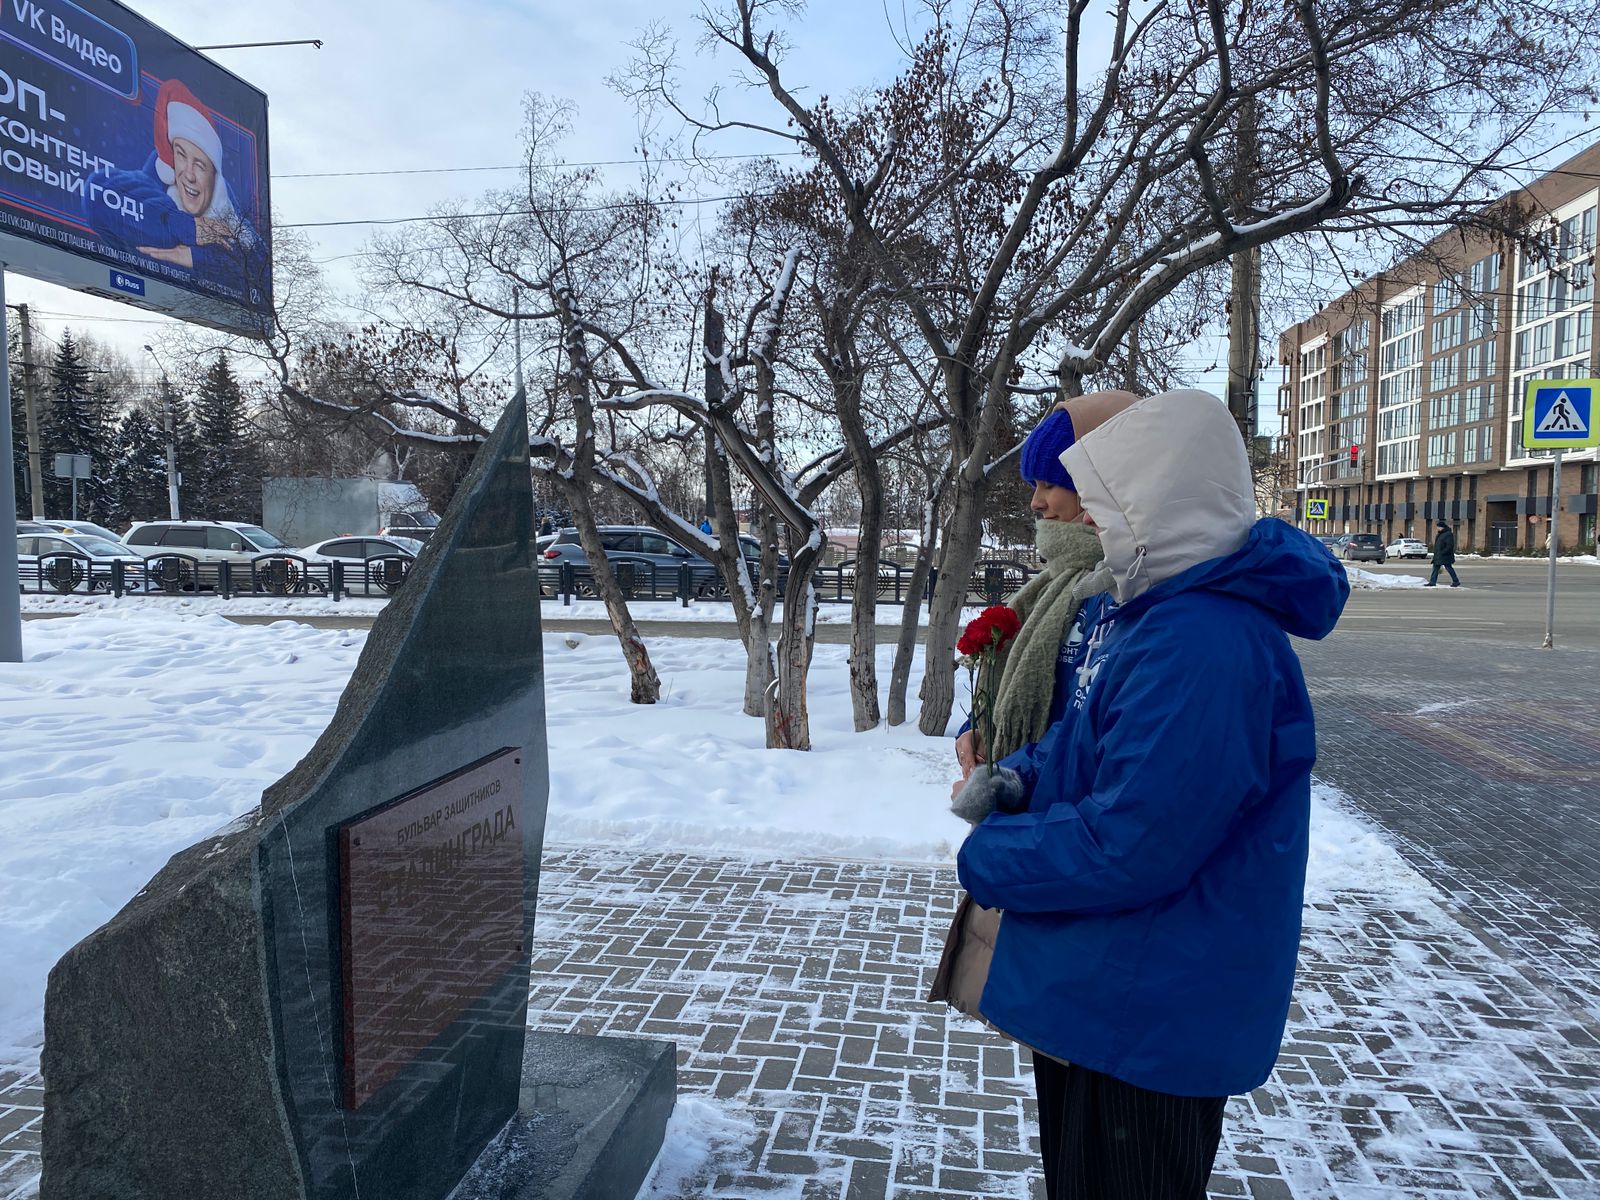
pixel 1419 1062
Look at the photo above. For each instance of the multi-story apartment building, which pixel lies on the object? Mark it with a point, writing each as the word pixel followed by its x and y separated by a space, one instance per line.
pixel 1403 397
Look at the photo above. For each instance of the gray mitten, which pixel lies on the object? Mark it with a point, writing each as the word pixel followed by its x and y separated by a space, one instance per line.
pixel 985 793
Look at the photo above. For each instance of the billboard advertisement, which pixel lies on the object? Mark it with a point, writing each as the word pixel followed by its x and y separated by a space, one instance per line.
pixel 131 166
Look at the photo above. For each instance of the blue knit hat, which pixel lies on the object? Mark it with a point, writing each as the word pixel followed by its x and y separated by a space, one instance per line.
pixel 1041 452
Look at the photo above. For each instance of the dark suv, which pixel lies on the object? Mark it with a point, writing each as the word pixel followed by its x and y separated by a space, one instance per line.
pixel 1367 547
pixel 655 556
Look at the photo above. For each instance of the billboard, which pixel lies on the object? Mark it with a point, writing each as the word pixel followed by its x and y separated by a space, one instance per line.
pixel 131 166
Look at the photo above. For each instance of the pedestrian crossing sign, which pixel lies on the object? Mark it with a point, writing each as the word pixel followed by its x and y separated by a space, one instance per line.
pixel 1558 414
pixel 1317 510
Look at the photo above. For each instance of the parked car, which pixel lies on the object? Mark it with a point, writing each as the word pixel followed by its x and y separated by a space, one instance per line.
pixel 1367 547
pixel 87 528
pixel 1406 548
pixel 415 526
pixel 638 544
pixel 209 541
pixel 359 549
pixel 43 560
pixel 750 547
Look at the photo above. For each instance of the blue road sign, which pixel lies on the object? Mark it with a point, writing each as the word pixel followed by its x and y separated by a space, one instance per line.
pixel 1558 414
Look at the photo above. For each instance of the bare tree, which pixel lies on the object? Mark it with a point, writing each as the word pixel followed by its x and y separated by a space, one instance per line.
pixel 1070 202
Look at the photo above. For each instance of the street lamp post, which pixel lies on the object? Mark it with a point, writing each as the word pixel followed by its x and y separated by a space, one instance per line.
pixel 172 449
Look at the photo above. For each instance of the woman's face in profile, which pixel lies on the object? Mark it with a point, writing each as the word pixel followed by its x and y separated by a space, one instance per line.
pixel 1053 503
pixel 195 176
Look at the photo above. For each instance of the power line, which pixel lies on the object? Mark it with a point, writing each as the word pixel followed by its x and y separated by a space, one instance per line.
pixel 599 162
pixel 525 212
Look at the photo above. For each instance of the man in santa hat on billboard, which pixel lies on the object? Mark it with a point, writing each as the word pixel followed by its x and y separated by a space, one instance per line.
pixel 186 216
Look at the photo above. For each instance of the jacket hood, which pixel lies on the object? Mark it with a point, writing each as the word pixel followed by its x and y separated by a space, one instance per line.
pixel 1280 569
pixel 1165 479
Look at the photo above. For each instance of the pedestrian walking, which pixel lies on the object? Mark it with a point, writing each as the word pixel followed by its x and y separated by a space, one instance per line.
pixel 1153 878
pixel 1058 608
pixel 1444 556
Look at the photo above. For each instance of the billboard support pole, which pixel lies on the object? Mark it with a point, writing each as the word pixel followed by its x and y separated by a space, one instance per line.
pixel 10 602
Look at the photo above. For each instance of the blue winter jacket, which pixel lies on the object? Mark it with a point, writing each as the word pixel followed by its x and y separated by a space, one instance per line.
pixel 1074 648
pixel 161 223
pixel 1152 890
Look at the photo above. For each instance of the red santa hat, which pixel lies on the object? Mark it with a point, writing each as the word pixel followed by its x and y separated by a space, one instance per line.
pixel 180 115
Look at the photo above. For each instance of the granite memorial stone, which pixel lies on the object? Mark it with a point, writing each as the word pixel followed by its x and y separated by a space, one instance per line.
pixel 328 999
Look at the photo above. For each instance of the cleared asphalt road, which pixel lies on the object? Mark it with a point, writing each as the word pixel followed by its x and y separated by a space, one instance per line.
pixel 1500 600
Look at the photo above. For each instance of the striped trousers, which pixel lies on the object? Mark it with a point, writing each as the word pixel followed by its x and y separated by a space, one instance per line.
pixel 1102 1139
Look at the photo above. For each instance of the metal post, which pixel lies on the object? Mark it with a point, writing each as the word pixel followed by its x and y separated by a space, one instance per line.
pixel 31 415
pixel 1550 585
pixel 172 450
pixel 74 491
pixel 10 602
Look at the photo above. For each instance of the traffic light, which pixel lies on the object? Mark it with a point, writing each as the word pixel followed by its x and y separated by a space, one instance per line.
pixel 1355 454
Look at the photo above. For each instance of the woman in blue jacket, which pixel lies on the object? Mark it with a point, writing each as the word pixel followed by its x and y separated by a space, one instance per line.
pixel 1153 881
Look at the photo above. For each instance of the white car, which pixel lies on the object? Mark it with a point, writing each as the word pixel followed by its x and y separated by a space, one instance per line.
pixel 206 541
pixel 55 561
pixel 1406 548
pixel 358 549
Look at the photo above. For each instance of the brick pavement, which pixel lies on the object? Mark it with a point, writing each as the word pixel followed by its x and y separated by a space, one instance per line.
pixel 1420 1063
pixel 1483 763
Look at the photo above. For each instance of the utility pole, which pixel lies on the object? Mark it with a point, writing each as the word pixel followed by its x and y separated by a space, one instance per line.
pixel 30 402
pixel 172 449
pixel 1244 309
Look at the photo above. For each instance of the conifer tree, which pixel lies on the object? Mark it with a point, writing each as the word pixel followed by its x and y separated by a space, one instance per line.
pixel 138 476
pixel 229 483
pixel 76 425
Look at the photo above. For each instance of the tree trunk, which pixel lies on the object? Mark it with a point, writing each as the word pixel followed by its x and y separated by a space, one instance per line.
pixel 759 665
pixel 938 692
pixel 869 554
pixel 646 685
pixel 910 622
pixel 788 723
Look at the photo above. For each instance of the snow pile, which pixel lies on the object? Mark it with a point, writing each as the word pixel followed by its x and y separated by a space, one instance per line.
pixel 238 606
pixel 1349 852
pixel 703 1140
pixel 134 732
pixel 131 734
pixel 1371 579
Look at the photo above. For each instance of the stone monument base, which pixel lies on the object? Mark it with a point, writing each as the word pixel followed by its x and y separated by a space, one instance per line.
pixel 591 1118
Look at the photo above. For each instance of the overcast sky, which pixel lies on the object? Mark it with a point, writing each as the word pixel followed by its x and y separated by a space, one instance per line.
pixel 404 86
pixel 409 87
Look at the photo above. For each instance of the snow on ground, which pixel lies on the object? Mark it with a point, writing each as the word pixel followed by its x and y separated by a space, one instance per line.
pixel 363 606
pixel 136 731
pixel 238 606
pixel 1372 579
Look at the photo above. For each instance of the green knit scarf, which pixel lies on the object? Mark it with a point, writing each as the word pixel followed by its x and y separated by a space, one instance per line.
pixel 1047 604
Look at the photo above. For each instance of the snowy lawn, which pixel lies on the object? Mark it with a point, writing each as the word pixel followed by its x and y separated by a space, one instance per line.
pixel 364 606
pixel 133 732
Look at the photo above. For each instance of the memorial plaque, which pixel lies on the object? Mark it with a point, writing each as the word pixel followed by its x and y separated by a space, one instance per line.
pixel 431 898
